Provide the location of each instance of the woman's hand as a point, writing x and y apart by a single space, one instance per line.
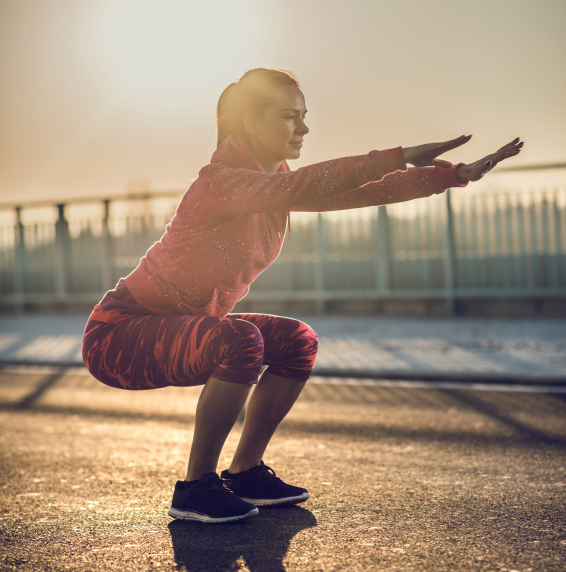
475 171
425 155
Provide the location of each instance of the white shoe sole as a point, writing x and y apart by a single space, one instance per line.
287 500
192 515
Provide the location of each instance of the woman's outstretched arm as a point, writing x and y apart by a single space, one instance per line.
398 187
432 175
234 184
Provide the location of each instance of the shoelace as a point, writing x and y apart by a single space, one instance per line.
267 473
222 490
228 483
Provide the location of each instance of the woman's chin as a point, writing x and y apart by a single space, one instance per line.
294 153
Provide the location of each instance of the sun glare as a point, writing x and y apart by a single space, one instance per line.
173 53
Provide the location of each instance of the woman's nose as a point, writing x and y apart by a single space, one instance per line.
302 128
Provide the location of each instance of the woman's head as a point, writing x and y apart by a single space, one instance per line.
267 108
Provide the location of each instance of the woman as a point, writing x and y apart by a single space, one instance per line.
168 322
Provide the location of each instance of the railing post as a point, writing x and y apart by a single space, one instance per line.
106 250
62 254
320 304
19 263
382 252
545 258
449 257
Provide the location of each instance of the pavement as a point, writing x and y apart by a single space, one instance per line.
531 350
401 478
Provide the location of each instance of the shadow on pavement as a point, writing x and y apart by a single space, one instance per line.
560 396
452 436
29 400
99 412
525 431
500 407
261 542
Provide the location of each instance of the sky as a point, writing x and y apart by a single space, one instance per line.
106 97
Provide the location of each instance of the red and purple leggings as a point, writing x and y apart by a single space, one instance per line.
148 351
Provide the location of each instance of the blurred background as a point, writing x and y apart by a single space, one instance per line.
107 113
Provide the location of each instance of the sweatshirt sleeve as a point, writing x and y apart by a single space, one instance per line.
414 183
224 190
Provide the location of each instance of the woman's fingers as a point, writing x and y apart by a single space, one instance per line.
426 155
506 152
483 166
478 169
436 149
509 150
511 144
453 143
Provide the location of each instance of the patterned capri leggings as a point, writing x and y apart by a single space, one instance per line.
147 352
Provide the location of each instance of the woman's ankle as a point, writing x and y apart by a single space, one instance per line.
196 474
240 467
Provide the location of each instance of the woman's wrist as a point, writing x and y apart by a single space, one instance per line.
407 155
462 174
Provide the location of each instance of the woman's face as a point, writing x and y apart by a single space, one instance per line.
278 133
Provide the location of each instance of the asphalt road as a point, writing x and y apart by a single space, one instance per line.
400 479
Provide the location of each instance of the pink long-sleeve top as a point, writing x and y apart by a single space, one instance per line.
230 224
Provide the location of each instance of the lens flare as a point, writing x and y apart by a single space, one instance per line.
157 54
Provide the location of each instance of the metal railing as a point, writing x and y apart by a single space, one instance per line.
450 246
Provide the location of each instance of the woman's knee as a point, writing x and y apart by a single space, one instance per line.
246 333
302 341
292 350
241 354
310 338
243 340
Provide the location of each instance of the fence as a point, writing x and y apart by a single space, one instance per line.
455 245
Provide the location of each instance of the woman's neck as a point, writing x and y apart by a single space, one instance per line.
269 164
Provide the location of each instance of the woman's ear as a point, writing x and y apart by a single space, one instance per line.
250 121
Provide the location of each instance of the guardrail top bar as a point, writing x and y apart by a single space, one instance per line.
93 199
165 194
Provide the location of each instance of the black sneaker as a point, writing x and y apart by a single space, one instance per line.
208 500
260 486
